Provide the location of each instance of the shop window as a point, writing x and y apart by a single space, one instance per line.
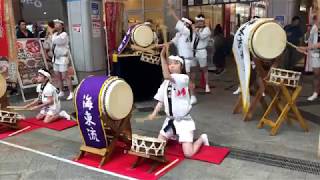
153 4
156 16
133 4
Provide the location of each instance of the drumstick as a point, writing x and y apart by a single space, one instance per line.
14 133
143 119
15 107
292 45
166 167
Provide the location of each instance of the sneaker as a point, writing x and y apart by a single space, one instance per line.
64 114
70 96
207 88
205 139
313 97
61 94
236 92
193 100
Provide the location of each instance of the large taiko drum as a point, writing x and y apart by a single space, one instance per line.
142 35
111 95
267 39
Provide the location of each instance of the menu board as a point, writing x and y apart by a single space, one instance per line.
30 59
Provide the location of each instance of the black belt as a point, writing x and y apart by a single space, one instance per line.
169 126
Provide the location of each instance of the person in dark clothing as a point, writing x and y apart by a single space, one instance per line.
220 49
22 31
294 36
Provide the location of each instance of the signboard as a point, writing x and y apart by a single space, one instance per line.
30 59
95 20
76 27
88 111
280 20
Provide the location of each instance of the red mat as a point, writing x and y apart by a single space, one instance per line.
22 124
121 164
58 125
209 154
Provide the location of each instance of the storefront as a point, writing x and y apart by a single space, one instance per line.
230 14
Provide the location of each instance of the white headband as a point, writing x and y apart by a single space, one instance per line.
186 20
46 74
199 18
177 58
58 21
147 23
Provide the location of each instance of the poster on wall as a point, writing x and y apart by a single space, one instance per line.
280 20
95 20
30 59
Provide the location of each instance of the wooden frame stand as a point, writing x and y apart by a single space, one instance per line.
116 131
157 160
284 100
258 98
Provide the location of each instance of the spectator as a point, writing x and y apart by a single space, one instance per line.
22 31
220 49
294 36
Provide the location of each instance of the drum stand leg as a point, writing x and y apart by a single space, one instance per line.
290 104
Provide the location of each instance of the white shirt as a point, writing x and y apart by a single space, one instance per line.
49 91
313 39
61 50
204 37
182 41
180 96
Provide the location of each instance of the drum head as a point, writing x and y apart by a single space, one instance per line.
3 86
268 41
118 100
142 35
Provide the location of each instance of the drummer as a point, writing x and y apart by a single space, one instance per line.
183 41
47 101
313 50
200 43
174 95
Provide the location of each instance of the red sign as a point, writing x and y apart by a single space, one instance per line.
3 35
112 12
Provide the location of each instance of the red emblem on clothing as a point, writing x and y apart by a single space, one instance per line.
182 92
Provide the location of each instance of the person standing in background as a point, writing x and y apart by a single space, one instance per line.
60 49
22 31
294 36
202 35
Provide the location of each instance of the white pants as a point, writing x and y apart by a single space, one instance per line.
48 111
60 67
202 58
186 136
189 64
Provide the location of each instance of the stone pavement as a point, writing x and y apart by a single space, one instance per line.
213 115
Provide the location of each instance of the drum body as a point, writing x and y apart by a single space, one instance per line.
115 97
148 145
267 39
142 35
8 117
285 77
